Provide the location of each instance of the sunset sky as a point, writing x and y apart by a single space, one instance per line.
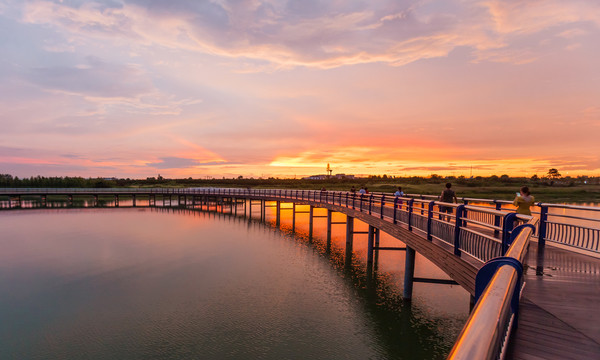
258 88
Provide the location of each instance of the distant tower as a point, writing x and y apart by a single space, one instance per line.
329 171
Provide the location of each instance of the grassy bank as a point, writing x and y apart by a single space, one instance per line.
553 194
563 190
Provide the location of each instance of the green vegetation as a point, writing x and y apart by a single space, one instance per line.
552 188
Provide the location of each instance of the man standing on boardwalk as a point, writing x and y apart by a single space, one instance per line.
447 196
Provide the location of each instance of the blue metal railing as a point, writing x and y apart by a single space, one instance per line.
556 225
497 292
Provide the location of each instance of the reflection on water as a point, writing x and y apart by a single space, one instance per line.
142 283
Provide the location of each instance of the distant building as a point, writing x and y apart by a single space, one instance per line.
325 177
316 177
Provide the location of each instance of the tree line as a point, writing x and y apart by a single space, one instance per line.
552 179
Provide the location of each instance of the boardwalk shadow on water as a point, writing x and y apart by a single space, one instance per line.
402 331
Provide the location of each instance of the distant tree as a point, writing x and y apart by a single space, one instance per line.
535 178
435 178
504 178
553 174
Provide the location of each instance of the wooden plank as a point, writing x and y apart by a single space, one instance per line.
542 334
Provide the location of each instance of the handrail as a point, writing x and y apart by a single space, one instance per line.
490 323
570 231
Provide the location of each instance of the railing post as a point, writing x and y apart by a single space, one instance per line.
465 202
395 210
382 205
497 217
429 219
410 211
370 203
457 225
543 228
361 202
507 226
353 198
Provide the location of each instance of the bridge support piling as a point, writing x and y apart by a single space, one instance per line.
409 274
310 221
349 239
134 201
278 214
329 216
376 253
293 216
370 244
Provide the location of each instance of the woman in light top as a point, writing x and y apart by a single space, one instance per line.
399 193
524 201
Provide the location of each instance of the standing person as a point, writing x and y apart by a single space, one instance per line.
366 190
399 192
447 196
353 190
523 201
362 190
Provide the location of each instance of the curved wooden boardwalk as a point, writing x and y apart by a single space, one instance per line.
558 314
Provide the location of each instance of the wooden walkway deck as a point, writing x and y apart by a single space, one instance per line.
560 310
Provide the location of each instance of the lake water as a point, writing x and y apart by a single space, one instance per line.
152 283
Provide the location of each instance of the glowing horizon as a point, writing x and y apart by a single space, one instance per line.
280 88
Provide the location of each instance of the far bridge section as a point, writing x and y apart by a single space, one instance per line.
481 244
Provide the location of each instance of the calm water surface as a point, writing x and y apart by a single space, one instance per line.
144 283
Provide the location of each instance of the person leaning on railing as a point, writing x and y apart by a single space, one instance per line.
523 201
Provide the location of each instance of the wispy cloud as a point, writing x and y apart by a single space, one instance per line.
317 33
280 86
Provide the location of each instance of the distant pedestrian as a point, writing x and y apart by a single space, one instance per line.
353 190
524 201
366 190
362 190
447 196
399 192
